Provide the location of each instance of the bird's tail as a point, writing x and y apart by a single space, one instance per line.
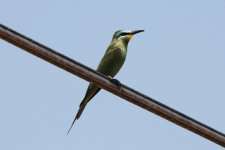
81 109
91 92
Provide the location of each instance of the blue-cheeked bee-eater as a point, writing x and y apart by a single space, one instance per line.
110 64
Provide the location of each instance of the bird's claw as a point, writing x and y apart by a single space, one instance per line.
110 78
116 82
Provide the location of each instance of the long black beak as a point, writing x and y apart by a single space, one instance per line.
136 31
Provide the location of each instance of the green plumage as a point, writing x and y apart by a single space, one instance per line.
109 65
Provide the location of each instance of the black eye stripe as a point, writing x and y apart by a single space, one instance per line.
124 33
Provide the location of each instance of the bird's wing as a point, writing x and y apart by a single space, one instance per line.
92 90
101 68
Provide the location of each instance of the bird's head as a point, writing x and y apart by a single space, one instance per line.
125 35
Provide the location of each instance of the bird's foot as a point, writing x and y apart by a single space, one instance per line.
115 82
110 78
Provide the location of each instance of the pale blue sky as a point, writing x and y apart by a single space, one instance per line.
179 60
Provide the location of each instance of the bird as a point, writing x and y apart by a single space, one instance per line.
110 64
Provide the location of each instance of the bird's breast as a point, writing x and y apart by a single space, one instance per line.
119 55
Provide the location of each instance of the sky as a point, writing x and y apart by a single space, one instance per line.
178 60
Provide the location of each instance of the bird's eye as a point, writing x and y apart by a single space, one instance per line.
122 34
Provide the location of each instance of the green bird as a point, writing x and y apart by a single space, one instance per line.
110 64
